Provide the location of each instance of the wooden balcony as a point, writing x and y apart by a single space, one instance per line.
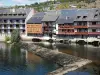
94 33
79 26
66 33
94 26
81 33
65 27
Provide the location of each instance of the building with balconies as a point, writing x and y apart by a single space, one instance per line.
67 24
11 19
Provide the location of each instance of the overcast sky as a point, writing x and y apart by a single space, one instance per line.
18 2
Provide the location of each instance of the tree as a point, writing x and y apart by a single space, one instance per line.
15 36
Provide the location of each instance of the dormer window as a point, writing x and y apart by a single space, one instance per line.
95 15
10 14
84 17
78 17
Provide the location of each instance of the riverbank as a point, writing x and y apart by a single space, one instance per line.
66 62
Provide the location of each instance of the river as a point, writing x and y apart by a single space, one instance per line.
84 51
16 61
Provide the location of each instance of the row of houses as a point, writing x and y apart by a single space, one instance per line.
65 24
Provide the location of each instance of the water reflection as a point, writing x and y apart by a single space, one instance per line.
16 61
83 51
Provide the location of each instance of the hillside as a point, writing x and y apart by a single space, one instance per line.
63 4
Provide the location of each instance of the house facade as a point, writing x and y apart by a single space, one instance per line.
11 19
68 24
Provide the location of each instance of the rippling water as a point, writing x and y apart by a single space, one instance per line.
16 61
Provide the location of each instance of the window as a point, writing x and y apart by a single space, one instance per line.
84 17
23 14
11 26
11 21
5 31
17 21
95 15
23 26
93 30
78 17
1 14
17 26
11 30
93 23
63 30
23 31
10 14
5 14
23 21
5 26
5 21
15 14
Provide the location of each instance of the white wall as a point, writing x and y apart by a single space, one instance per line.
56 28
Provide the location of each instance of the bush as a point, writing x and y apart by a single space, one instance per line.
7 38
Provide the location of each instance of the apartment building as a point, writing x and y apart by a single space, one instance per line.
71 23
11 19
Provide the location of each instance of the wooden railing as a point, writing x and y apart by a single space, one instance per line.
66 33
66 26
81 33
94 26
80 26
94 33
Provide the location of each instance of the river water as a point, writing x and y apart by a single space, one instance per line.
16 61
84 51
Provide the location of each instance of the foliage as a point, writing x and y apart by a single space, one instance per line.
15 36
7 38
55 4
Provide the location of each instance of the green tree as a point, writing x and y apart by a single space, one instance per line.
15 36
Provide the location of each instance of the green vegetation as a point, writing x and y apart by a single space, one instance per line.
15 36
60 4
7 39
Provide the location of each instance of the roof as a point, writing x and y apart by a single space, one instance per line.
36 18
64 20
15 10
87 15
50 16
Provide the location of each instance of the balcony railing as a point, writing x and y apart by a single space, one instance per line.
94 33
81 33
65 26
66 33
94 26
79 26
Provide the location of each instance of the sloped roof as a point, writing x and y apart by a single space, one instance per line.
50 16
63 20
36 18
33 20
89 13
